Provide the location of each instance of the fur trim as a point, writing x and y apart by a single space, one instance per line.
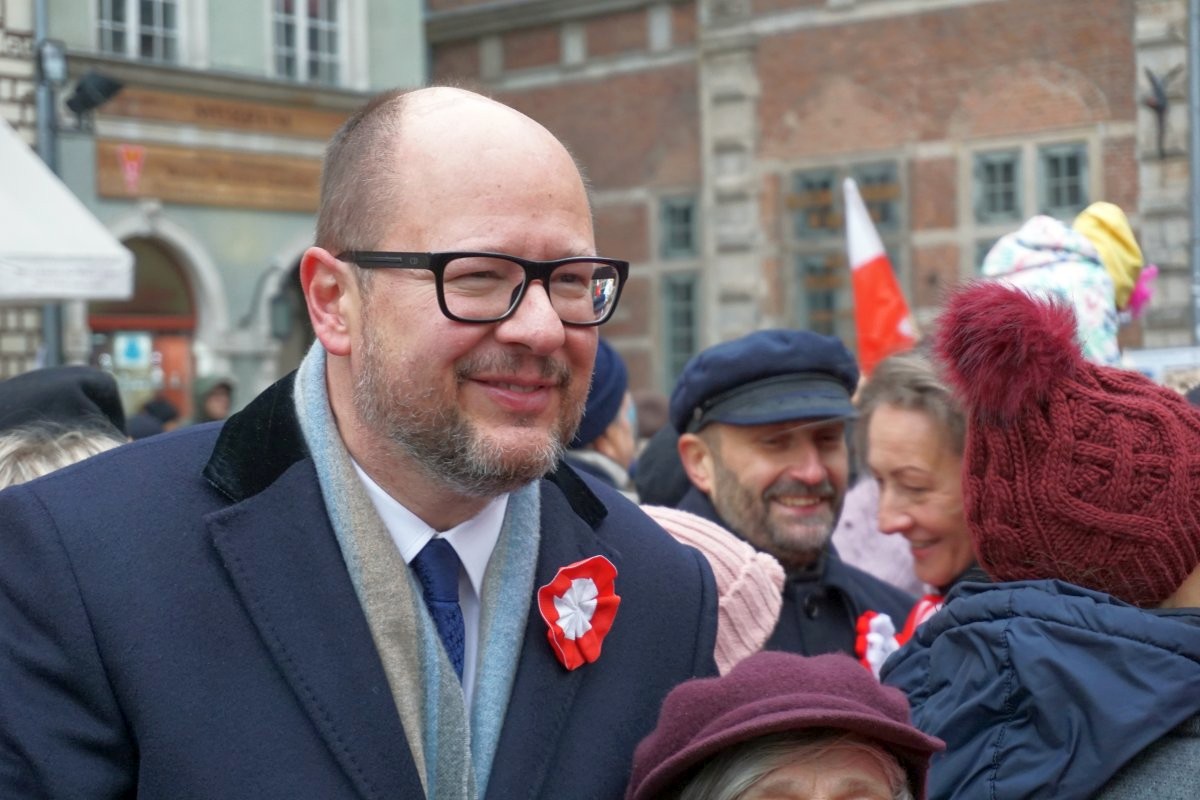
1003 349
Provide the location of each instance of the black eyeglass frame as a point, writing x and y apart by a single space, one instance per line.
534 270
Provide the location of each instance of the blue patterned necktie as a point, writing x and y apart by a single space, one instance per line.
437 568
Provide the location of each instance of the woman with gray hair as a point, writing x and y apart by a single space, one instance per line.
30 451
783 726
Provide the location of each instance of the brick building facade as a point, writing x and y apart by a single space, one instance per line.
716 133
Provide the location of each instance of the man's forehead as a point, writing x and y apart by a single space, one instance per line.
788 426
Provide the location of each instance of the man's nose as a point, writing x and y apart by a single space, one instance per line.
535 324
805 465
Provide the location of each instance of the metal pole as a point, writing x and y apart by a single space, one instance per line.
47 146
1194 155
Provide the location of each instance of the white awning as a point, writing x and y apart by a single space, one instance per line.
51 246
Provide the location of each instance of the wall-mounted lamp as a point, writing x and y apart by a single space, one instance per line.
93 90
52 62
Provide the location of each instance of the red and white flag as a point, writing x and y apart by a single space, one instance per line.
881 315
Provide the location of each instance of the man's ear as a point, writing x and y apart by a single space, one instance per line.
697 459
332 294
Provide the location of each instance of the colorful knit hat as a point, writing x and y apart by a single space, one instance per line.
1072 470
749 583
1107 228
610 379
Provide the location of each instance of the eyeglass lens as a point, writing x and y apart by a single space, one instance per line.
485 288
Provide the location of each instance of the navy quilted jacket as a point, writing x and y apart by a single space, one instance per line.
1042 689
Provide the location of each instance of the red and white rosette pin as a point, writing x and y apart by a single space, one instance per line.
579 606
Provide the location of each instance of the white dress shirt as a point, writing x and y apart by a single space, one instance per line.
473 541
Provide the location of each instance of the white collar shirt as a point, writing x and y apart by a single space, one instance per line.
473 541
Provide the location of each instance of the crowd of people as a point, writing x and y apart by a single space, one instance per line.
455 555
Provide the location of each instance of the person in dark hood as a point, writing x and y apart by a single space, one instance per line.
1073 675
72 397
158 415
214 398
605 444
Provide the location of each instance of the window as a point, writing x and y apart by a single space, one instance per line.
681 323
998 186
146 29
820 278
880 191
821 296
812 204
678 221
307 40
1062 180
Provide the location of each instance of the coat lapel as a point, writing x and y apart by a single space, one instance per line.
543 693
285 564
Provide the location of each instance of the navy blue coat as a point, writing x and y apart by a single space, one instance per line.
821 606
1042 689
176 621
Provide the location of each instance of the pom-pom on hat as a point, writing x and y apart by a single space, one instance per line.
1072 471
610 380
771 693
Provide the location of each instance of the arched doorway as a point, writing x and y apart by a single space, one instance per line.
146 341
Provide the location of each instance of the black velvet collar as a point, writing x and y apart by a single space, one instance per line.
257 444
260 442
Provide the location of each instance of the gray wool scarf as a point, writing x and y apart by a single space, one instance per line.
453 755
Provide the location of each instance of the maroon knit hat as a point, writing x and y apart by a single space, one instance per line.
770 693
1075 471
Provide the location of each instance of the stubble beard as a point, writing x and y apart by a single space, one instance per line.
749 515
433 432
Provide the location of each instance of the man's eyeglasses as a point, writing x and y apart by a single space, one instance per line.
488 287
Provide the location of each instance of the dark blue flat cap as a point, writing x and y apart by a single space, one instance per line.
763 378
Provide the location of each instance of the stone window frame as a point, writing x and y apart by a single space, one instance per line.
816 254
976 237
986 187
681 302
296 61
164 34
1064 150
679 227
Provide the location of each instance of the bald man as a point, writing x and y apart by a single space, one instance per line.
378 580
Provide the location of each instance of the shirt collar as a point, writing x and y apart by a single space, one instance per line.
472 540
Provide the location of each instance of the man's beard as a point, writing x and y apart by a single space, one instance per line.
749 515
434 433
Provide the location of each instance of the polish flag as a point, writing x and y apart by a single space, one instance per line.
881 315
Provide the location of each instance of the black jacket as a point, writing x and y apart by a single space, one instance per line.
821 604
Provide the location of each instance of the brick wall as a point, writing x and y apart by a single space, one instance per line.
925 89
532 47
933 193
985 69
628 130
456 62
683 24
613 34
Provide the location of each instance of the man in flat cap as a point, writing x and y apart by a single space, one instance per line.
762 423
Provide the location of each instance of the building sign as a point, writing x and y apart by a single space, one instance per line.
207 177
224 114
